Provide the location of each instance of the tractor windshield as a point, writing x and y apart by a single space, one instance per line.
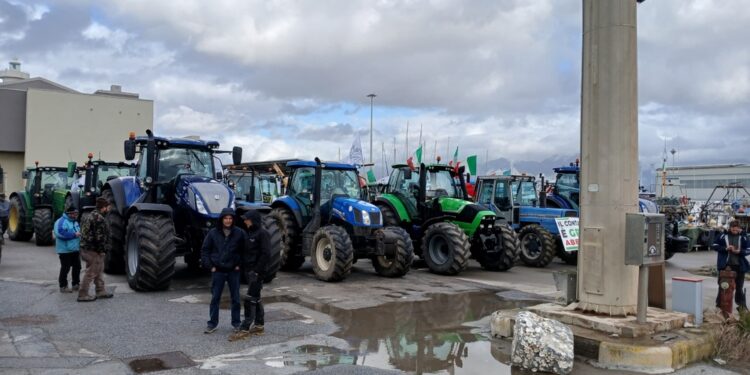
242 183
108 172
339 182
568 185
441 183
524 193
267 189
176 161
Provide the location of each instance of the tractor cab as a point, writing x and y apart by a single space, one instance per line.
422 192
505 195
566 191
89 179
43 181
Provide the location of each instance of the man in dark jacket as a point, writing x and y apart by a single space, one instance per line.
732 249
94 245
255 261
222 254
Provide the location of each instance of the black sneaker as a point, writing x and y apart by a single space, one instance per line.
209 329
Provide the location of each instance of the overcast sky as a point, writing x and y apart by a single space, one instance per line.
290 78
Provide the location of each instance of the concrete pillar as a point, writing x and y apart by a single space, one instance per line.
609 153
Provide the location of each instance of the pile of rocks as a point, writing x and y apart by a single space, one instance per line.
541 344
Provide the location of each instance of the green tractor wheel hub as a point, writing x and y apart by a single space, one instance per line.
438 249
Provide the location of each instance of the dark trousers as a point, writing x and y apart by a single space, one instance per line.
70 261
739 286
3 225
218 279
254 312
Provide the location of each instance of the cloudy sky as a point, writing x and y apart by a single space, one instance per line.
290 78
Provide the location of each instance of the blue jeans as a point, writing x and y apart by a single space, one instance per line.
218 279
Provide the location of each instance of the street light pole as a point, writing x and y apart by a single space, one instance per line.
371 96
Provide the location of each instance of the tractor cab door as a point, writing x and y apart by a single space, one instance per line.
301 189
406 189
495 194
568 186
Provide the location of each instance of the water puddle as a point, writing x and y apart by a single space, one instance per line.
422 337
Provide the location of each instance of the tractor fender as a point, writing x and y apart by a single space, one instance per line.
149 207
395 206
291 205
437 219
125 190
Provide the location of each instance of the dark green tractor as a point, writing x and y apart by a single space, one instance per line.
32 210
89 179
447 229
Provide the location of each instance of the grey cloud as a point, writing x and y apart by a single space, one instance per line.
325 132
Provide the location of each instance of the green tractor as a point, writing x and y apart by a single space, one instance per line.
32 210
89 179
447 229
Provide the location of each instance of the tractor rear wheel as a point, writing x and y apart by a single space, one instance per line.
289 256
332 253
389 217
400 263
446 248
114 259
274 236
17 230
151 251
503 256
43 226
537 246
569 257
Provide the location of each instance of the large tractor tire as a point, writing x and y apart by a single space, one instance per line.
537 247
446 249
151 251
290 258
43 226
17 230
274 236
332 253
114 259
569 257
390 219
502 257
399 263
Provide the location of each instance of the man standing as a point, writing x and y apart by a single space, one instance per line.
732 248
94 244
222 253
67 241
255 261
4 212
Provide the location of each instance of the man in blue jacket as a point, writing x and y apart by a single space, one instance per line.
732 249
67 239
222 254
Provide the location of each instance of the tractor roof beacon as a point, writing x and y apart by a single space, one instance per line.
322 216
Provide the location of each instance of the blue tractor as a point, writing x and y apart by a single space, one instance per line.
514 200
165 209
324 217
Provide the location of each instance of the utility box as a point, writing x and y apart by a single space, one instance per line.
644 239
687 296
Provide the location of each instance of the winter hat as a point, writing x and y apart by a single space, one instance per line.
226 212
71 209
101 203
253 216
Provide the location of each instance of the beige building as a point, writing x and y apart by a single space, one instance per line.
44 121
698 182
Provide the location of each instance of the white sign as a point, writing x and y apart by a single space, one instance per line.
568 229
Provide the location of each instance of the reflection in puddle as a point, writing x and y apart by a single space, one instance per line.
420 337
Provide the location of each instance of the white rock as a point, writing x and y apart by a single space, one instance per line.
541 344
502 322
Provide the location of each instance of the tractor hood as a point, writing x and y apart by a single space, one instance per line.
204 195
358 213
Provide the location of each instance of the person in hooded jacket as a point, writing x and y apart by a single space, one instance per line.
255 261
732 249
67 241
222 255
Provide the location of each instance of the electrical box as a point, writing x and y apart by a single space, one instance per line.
644 239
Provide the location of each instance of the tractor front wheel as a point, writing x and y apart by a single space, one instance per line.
399 263
17 230
290 259
569 257
503 255
114 259
151 251
537 246
446 249
43 225
333 254
274 236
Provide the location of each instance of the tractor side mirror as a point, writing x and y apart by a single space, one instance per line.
71 168
25 175
407 174
236 155
129 149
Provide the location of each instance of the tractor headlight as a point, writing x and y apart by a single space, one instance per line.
199 206
366 218
149 180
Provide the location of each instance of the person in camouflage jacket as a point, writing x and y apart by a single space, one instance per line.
94 245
